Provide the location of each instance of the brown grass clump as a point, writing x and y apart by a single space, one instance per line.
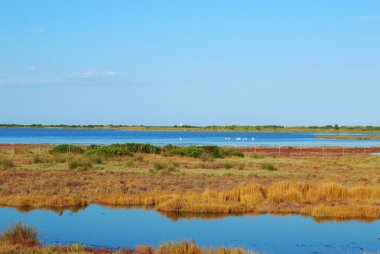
6 164
186 247
21 234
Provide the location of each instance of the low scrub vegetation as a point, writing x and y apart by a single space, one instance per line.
81 163
129 149
66 148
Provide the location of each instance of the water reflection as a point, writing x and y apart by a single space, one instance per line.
175 216
98 226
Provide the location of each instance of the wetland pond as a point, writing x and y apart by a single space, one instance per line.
104 227
86 136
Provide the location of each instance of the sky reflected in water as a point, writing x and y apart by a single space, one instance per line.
99 226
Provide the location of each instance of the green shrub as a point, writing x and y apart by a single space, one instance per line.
124 149
66 148
83 164
21 234
269 167
231 152
194 151
38 159
6 164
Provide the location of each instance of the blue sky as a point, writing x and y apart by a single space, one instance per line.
294 62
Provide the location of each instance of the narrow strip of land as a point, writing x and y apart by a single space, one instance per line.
332 183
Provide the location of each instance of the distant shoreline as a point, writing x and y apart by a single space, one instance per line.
231 128
348 137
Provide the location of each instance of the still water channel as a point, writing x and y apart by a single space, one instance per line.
98 226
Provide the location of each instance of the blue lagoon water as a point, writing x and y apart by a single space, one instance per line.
82 136
99 226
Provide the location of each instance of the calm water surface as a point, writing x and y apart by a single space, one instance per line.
98 226
75 136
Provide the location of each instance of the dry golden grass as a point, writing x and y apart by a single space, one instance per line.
322 200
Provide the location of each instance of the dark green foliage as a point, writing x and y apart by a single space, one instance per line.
194 151
66 148
124 149
230 152
129 149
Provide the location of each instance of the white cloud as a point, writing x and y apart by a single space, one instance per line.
31 68
96 74
370 18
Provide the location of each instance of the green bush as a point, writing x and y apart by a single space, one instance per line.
83 164
194 151
66 148
38 159
124 149
231 152
269 167
21 234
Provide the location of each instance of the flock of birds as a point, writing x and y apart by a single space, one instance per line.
228 138
239 139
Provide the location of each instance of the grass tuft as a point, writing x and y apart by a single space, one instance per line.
6 164
268 166
80 163
21 234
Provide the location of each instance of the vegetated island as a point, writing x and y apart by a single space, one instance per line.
229 128
320 182
349 137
